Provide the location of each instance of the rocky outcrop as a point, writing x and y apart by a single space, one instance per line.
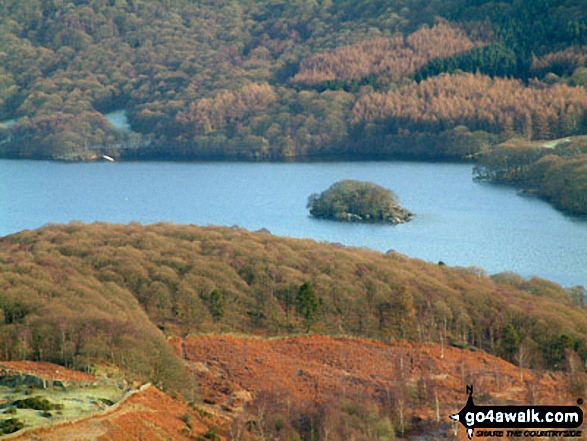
398 215
14 379
43 378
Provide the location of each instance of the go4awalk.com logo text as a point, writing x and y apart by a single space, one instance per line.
536 421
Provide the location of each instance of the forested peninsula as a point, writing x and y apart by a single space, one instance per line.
274 80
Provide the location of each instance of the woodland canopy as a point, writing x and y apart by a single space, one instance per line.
274 80
80 294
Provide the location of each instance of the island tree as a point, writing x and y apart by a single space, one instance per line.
357 201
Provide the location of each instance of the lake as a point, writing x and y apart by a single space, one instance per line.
118 119
458 221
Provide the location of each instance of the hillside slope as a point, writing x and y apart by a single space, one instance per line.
147 415
275 80
343 388
149 299
135 281
318 388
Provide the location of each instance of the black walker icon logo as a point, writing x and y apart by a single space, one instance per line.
515 417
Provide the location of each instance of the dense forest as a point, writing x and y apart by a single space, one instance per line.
268 79
140 284
555 170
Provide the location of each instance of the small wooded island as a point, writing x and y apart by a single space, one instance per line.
358 201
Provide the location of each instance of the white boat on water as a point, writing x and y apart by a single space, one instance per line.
108 158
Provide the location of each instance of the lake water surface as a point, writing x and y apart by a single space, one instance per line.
458 221
118 119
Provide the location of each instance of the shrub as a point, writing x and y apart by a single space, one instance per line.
36 403
11 425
